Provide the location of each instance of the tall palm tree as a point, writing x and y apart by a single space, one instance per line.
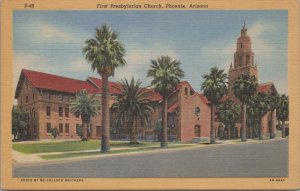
282 111
133 105
243 88
105 53
260 106
85 106
166 74
214 88
228 113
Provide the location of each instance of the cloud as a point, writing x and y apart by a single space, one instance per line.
31 62
138 60
51 32
259 44
38 30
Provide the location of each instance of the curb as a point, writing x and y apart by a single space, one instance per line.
193 147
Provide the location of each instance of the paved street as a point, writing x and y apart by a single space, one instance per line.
264 159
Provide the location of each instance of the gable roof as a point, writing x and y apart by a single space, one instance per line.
53 82
155 96
266 88
203 98
112 86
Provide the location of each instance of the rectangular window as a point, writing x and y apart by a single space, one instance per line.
67 127
60 111
60 128
78 129
26 99
66 98
33 96
48 110
66 112
60 97
48 127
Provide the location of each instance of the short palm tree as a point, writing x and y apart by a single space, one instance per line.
214 88
260 105
133 105
243 88
166 74
228 113
282 111
105 53
85 106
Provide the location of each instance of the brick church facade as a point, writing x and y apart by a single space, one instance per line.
46 98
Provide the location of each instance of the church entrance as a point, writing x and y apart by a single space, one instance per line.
197 131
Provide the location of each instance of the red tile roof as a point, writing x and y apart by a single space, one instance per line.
112 86
203 98
173 107
156 96
53 82
266 87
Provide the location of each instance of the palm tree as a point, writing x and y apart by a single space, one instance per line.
243 88
228 113
85 106
105 53
282 111
133 105
166 74
214 88
260 106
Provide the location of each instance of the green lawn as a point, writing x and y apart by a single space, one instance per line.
45 147
149 148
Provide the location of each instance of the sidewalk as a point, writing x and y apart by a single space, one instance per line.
35 158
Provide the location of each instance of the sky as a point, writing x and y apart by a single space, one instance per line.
52 41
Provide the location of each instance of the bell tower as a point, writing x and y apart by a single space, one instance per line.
243 61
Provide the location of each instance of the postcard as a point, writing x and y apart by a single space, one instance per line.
139 95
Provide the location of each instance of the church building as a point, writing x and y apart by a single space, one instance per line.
243 63
46 98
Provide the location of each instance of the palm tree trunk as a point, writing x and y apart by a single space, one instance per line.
212 124
84 129
105 115
132 132
229 131
243 127
260 129
164 134
283 129
272 134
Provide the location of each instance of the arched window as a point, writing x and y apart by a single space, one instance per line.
186 91
240 60
33 112
247 59
241 45
197 111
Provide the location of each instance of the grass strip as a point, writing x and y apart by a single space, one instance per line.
48 147
82 154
